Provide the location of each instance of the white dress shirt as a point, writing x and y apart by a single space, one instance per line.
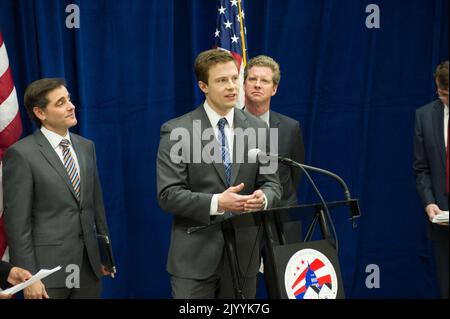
229 127
54 140
229 135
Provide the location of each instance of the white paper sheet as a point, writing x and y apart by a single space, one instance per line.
39 275
442 217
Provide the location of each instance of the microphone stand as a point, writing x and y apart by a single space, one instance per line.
354 207
324 214
320 215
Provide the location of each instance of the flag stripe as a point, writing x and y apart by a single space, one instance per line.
10 134
238 58
6 85
8 110
4 62
10 126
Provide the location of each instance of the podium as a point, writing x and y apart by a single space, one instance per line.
308 269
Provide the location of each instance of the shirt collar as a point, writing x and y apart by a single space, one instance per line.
54 138
265 117
214 117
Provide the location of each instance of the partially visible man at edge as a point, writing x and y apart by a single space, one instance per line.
431 167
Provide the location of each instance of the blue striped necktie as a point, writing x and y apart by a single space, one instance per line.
224 149
71 167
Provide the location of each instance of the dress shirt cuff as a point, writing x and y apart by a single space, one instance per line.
214 208
266 203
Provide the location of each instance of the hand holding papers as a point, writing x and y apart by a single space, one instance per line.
441 218
40 275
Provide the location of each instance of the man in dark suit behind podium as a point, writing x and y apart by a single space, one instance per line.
261 80
431 166
53 204
201 192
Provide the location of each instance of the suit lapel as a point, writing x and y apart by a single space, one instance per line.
81 156
50 155
200 114
274 120
438 123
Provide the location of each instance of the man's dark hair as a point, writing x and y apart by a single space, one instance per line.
207 59
36 95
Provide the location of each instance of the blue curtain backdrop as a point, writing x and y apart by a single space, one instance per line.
129 68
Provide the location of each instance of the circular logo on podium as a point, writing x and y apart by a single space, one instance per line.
310 274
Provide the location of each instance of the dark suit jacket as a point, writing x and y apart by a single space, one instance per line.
46 225
290 145
186 190
429 156
5 268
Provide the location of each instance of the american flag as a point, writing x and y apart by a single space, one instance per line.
231 35
10 126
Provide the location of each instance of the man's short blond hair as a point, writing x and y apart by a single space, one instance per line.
207 59
264 61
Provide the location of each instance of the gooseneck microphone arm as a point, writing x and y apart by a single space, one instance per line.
354 206
325 231
253 154
290 162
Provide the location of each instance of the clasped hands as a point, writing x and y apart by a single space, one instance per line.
231 201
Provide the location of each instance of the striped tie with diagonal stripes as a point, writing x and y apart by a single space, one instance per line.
224 149
226 160
71 167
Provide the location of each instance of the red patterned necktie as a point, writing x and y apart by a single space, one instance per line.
71 167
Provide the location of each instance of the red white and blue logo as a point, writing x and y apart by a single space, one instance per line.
309 274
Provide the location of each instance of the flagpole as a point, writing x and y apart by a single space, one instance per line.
241 23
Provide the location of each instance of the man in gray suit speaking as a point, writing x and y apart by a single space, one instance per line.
53 205
199 191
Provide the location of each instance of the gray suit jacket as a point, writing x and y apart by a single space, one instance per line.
429 156
45 224
186 190
290 145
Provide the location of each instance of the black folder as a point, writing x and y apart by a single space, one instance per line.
106 255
